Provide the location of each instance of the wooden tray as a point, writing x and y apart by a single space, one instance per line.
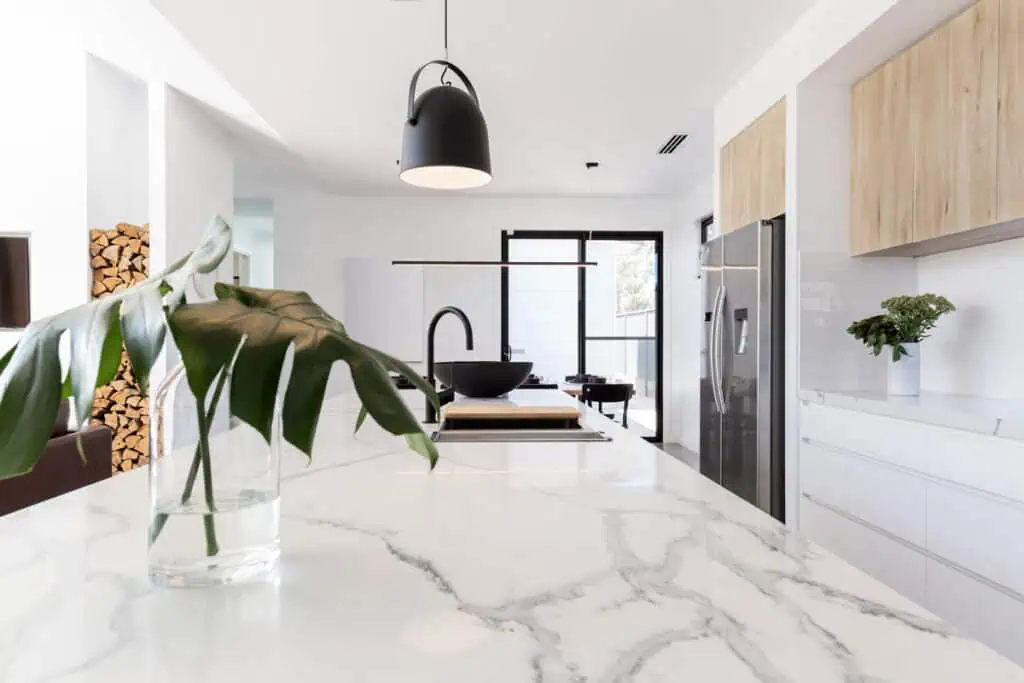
508 410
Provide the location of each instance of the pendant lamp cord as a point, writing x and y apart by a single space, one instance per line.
445 72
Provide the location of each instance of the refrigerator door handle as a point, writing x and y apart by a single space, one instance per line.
712 351
716 350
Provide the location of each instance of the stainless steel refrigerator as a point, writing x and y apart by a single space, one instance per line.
742 440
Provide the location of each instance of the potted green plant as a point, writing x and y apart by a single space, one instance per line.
904 325
218 459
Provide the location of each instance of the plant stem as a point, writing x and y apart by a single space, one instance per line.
204 451
190 482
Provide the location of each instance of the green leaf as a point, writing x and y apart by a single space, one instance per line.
110 360
30 375
269 321
401 368
143 329
424 445
363 412
30 400
88 332
7 358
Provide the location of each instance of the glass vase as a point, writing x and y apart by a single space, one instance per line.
214 501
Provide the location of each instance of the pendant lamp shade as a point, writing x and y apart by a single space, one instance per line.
445 144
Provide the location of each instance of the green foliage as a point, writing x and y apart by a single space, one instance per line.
260 325
208 335
31 385
907 320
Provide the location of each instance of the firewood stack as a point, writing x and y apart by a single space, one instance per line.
120 258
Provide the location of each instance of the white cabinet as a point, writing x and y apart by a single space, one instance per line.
933 512
979 610
978 533
982 462
880 495
889 561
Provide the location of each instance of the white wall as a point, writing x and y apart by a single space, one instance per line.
117 145
685 300
254 235
43 151
191 168
977 350
835 289
134 36
314 232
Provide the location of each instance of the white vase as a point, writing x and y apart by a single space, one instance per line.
905 374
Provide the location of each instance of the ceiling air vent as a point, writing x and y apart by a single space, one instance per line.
672 144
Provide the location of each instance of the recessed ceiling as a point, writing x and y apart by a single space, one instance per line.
561 82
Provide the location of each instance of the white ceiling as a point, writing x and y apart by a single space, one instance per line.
561 82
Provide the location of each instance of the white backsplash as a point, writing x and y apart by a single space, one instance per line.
977 350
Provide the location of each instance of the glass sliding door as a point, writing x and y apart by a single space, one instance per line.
622 323
604 320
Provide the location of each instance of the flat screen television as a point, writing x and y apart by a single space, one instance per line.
14 294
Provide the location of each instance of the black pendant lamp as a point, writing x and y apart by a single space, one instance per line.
445 144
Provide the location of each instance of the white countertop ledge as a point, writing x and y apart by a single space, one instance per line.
988 416
563 563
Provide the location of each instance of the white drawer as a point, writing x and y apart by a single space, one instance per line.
976 609
983 462
977 532
891 562
881 495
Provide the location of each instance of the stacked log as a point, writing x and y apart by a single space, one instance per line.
120 259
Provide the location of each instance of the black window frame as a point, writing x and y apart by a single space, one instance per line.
582 237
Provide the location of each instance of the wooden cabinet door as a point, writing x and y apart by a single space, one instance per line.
866 164
897 155
882 178
728 179
753 172
740 182
972 143
931 99
772 130
1011 110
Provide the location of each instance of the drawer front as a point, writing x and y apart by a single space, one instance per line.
978 610
881 495
892 563
983 462
977 532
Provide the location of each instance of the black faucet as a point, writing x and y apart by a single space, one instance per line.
461 315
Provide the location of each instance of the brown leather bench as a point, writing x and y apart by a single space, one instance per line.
61 469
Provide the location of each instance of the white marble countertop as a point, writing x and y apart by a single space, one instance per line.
989 416
564 563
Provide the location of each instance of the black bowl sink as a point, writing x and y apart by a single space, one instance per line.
482 379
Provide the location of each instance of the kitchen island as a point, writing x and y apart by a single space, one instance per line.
570 562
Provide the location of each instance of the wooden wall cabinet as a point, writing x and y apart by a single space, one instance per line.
753 171
933 136
883 159
1011 110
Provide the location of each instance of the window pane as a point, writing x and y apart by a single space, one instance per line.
543 307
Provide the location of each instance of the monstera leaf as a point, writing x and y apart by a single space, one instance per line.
254 328
31 386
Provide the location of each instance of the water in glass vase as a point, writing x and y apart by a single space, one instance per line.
214 486
237 543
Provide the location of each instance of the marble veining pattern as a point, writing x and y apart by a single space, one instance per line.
556 563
